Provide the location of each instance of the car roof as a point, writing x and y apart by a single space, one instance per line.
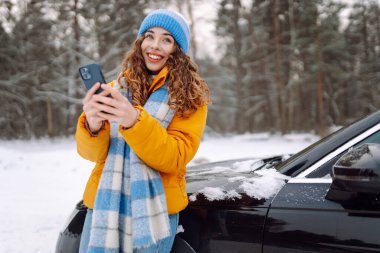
308 156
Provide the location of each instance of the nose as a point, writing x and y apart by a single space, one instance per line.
155 44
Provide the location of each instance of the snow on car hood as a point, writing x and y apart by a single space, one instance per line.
230 180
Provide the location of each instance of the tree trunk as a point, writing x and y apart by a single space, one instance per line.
72 85
193 43
279 112
321 122
239 114
291 106
49 117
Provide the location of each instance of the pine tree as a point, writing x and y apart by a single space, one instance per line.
30 66
114 26
363 40
8 67
258 79
228 28
66 91
330 73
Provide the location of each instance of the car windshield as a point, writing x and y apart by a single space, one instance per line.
319 149
307 149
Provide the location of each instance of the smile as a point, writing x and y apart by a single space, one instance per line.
154 57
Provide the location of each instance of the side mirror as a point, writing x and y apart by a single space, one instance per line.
356 172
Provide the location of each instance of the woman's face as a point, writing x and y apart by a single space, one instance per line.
156 48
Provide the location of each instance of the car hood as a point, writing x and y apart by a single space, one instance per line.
250 181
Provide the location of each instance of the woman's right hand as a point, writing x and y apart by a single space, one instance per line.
94 120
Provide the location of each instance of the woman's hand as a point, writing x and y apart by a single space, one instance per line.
116 108
90 108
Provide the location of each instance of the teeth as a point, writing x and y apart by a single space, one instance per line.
156 57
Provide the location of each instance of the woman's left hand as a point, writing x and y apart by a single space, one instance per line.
116 108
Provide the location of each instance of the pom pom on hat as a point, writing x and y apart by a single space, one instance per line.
171 21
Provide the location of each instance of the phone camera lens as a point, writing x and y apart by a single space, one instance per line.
85 73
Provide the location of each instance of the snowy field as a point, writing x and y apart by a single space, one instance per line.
42 180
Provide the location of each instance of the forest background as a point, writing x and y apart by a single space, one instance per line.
275 66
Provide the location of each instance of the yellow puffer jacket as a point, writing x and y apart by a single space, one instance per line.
165 150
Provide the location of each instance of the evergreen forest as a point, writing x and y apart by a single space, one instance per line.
283 65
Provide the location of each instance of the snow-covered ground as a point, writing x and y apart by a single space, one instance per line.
42 180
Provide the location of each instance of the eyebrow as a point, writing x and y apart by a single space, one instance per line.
167 34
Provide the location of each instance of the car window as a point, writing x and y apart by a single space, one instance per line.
325 170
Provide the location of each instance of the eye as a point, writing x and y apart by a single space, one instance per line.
168 40
148 36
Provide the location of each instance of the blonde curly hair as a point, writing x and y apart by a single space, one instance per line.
187 90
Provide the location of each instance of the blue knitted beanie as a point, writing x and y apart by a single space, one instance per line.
171 21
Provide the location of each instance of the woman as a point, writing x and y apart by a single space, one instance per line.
141 138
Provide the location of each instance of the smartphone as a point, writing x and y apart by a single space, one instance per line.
91 74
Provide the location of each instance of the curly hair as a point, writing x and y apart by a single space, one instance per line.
187 90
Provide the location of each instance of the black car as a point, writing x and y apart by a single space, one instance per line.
326 199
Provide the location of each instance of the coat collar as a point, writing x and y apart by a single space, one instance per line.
159 80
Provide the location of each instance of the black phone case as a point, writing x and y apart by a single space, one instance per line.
90 75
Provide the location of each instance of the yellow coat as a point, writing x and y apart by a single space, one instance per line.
165 150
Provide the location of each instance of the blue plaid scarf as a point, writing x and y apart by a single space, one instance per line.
130 207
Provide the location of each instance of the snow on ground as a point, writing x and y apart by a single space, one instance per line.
251 146
42 180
